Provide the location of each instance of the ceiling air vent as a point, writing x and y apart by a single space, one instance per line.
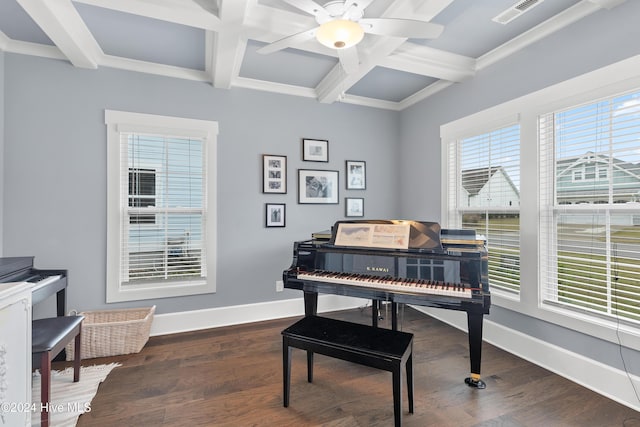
515 11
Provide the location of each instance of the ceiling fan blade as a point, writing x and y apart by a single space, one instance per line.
311 7
349 59
289 41
397 27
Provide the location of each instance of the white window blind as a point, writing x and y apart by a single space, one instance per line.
163 195
161 206
590 194
484 194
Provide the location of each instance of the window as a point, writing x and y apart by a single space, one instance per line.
484 195
591 228
161 206
142 193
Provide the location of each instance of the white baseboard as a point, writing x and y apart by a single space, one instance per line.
185 321
613 383
605 380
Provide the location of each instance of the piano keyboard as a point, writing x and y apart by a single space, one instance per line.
38 282
418 286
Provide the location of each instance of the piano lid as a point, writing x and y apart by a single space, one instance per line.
403 234
10 265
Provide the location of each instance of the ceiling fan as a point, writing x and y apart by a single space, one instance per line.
341 26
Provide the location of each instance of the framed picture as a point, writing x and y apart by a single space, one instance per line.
354 206
356 175
317 186
274 174
275 214
315 150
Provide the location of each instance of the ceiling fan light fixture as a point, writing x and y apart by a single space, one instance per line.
340 34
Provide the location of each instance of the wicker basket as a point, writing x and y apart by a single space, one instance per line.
113 332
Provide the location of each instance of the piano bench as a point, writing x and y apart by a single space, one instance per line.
48 338
366 345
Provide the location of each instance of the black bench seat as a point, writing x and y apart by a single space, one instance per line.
48 338
366 345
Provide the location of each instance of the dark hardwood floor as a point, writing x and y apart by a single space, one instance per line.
232 376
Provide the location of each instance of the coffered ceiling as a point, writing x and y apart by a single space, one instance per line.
217 41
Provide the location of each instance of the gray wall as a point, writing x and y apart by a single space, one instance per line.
1 146
55 172
598 40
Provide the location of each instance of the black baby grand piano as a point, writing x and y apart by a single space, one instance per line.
44 283
427 266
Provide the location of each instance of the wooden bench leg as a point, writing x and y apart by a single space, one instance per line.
76 357
45 387
286 370
409 367
310 366
397 394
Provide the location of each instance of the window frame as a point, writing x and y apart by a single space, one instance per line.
118 122
612 79
598 298
452 212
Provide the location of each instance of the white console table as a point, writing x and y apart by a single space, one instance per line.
15 354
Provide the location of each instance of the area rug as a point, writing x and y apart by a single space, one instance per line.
69 400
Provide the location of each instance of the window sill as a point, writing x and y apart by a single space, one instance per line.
130 292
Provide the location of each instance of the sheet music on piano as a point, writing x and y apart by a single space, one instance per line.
391 236
387 234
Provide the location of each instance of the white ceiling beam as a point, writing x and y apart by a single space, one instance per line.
33 49
138 66
226 48
336 83
4 41
427 61
184 12
61 22
608 4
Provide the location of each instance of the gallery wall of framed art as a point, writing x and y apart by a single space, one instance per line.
315 186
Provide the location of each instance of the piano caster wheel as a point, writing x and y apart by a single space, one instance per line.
475 383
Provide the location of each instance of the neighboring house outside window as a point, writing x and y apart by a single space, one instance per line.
484 196
591 233
142 193
161 206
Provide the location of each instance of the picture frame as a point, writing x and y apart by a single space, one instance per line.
356 174
354 206
315 150
275 215
274 174
317 186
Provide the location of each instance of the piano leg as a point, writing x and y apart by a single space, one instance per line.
474 323
310 303
310 309
61 302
